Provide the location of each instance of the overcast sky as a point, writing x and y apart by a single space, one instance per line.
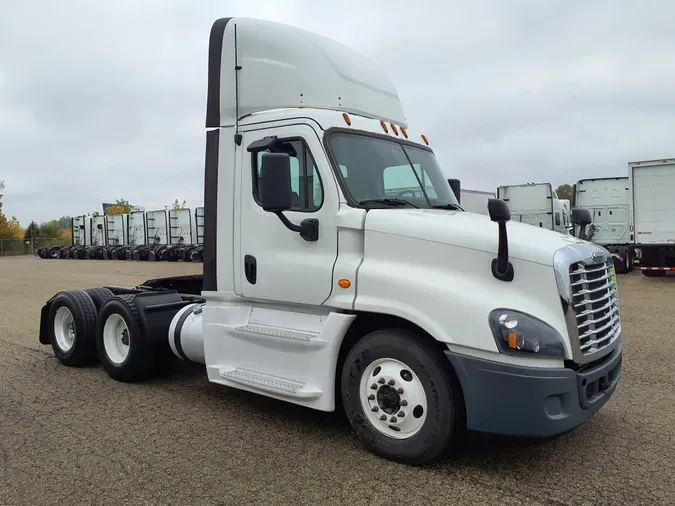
106 100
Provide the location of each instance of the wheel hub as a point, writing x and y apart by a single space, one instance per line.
388 399
393 398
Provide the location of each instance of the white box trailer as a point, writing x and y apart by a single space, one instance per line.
81 230
158 227
180 226
651 186
117 230
336 289
608 201
475 201
98 231
117 236
536 204
199 225
137 233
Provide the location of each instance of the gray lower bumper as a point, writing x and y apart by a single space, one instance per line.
533 402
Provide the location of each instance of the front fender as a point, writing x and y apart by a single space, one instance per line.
450 291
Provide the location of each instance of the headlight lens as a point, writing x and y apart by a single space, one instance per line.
522 334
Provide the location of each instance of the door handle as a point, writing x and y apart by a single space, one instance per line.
250 269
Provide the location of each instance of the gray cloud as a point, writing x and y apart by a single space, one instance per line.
102 102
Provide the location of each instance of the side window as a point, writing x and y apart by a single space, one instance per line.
305 180
557 219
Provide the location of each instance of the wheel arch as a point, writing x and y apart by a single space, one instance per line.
367 322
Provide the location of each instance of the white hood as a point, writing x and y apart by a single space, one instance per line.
469 230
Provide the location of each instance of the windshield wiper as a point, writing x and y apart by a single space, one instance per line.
449 207
390 202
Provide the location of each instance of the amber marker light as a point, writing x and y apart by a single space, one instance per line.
384 127
424 138
344 283
347 119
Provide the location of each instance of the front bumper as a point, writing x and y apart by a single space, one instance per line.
532 402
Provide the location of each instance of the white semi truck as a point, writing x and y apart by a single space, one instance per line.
537 204
325 286
650 187
608 201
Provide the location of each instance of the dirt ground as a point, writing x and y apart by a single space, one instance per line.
75 436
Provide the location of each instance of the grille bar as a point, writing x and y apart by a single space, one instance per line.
595 304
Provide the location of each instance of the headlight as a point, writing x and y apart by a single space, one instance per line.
522 334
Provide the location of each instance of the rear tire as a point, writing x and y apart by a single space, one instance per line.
100 296
122 345
415 391
72 324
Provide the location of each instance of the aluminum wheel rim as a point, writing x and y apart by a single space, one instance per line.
393 398
116 339
64 329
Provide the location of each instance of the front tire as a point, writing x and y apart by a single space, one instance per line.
123 348
401 397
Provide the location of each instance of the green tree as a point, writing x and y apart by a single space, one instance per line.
50 229
32 231
9 229
121 207
565 192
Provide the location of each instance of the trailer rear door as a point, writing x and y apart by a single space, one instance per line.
653 187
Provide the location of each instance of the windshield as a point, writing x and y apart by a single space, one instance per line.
386 172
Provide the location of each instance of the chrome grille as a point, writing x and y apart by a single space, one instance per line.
595 303
590 300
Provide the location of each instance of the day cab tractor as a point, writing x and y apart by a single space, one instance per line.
339 271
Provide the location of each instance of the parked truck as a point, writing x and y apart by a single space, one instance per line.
651 184
475 201
325 286
537 204
608 201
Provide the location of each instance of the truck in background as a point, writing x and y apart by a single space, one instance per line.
475 201
340 273
650 188
537 204
608 201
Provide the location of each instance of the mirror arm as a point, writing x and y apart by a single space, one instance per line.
502 269
308 228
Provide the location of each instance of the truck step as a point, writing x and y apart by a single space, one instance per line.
280 332
268 383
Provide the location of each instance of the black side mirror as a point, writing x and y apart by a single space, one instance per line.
456 188
499 212
275 182
277 196
581 217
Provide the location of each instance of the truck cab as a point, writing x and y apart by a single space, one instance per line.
537 204
340 273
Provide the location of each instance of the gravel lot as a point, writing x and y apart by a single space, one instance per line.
75 436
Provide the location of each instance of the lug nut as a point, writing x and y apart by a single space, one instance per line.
375 409
392 419
383 417
401 414
400 390
381 381
371 397
392 382
404 402
373 386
